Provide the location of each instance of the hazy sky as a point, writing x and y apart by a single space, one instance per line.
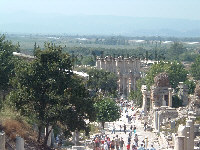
186 9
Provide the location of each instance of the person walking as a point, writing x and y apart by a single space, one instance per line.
145 126
117 142
152 148
134 147
124 128
131 130
121 144
128 146
134 129
141 147
113 128
136 140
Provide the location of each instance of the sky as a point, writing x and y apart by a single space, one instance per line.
183 9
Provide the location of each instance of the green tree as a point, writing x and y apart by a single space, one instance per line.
176 101
7 62
175 70
47 90
101 79
88 60
136 96
175 50
195 69
191 86
106 110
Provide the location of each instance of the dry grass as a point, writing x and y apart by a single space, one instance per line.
15 125
15 128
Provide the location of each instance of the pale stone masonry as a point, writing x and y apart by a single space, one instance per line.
19 143
2 141
127 70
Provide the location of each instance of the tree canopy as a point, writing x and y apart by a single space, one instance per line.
195 68
102 80
175 70
47 90
106 110
6 63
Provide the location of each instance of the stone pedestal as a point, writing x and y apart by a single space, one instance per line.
19 143
179 143
2 141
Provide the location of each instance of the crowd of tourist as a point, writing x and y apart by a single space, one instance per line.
105 142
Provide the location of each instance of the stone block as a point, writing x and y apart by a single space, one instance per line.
78 148
19 143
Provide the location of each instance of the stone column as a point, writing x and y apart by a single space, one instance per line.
52 138
2 141
156 120
182 131
144 104
159 121
170 97
163 101
179 143
19 143
76 137
146 142
187 138
190 123
49 137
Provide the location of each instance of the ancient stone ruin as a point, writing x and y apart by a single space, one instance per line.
176 127
127 70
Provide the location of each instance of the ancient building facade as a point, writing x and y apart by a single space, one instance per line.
127 70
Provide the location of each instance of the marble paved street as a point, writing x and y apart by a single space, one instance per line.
152 138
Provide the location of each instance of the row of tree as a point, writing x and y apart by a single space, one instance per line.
176 51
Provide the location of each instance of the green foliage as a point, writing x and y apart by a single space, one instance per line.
175 50
191 86
102 80
175 70
107 110
7 62
176 101
195 68
136 96
47 90
88 61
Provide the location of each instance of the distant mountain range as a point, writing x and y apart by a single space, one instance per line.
98 25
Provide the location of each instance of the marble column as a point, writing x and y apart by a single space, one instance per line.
190 124
182 131
19 143
163 101
2 141
159 121
179 143
170 97
187 138
49 137
144 104
156 120
76 137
